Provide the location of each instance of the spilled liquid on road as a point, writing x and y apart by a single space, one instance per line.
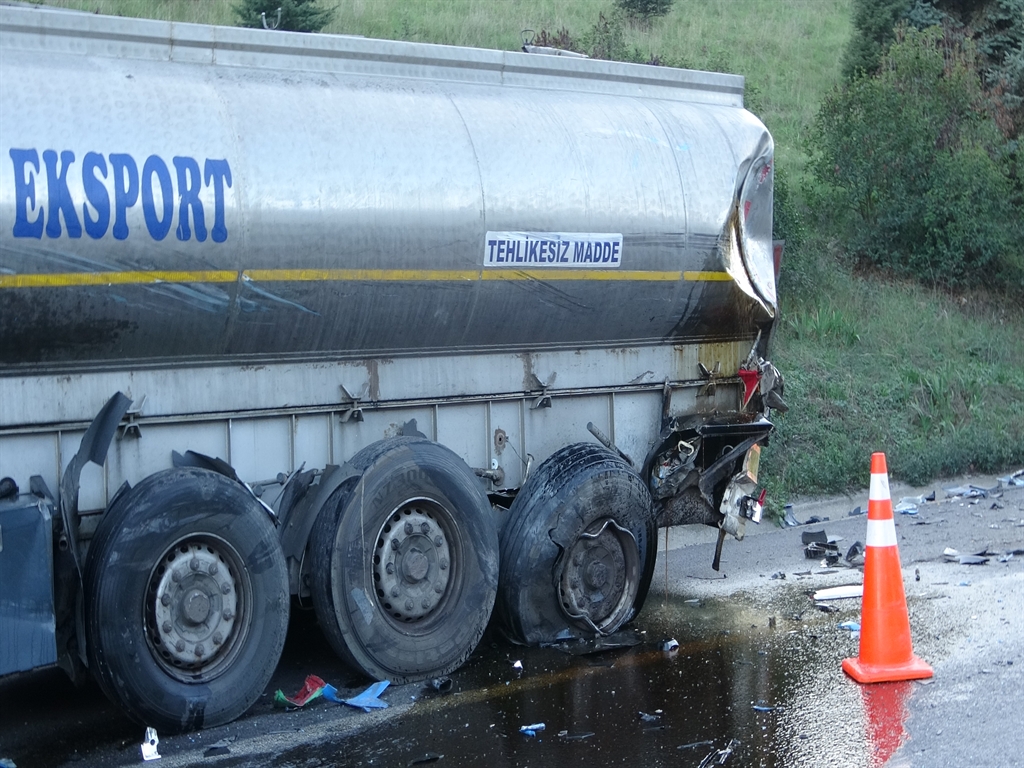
775 696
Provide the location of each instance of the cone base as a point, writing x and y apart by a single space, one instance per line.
914 669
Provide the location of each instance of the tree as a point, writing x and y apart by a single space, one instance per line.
296 15
874 22
644 10
914 169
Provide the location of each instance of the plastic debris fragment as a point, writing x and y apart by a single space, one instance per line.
854 512
851 626
855 554
575 736
531 730
150 745
670 645
763 708
311 689
906 507
838 593
441 684
367 700
517 665
647 718
1015 480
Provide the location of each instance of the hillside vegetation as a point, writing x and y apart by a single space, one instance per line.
875 358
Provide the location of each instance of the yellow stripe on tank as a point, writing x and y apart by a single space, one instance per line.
72 279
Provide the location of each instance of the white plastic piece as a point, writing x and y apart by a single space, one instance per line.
149 746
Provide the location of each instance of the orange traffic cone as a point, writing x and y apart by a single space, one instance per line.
885 650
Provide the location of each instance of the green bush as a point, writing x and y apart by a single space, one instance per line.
296 15
913 168
644 10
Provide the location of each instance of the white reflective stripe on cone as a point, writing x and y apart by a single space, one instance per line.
881 533
879 488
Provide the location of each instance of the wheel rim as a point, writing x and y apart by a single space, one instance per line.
601 576
413 568
197 608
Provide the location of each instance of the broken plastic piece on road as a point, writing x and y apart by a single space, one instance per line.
1006 557
311 689
670 645
839 593
150 745
6 762
852 626
814 537
649 718
626 638
854 512
517 664
531 730
972 492
763 708
972 560
575 736
855 554
219 748
367 700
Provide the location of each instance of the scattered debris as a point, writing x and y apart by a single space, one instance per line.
718 757
531 730
441 684
150 744
906 507
855 511
972 560
953 556
763 708
855 554
649 718
367 700
779 575
518 665
575 736
696 744
1005 558
973 492
627 638
670 645
1015 480
312 688
814 537
838 593
851 626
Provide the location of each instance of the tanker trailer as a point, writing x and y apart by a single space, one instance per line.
407 332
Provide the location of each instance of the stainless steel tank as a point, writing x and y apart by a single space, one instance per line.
173 193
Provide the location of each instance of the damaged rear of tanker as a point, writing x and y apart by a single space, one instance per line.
426 336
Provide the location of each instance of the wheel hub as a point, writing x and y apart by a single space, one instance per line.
193 607
601 576
412 563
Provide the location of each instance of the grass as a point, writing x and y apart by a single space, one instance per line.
935 381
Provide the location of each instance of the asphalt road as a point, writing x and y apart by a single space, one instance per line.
759 663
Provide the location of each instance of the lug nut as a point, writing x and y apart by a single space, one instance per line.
394 591
166 627
200 650
444 564
194 564
408 605
165 599
394 544
390 568
179 646
228 614
408 528
218 638
225 588
425 527
212 569
438 541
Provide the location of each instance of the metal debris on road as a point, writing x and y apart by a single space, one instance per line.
441 684
430 757
645 717
973 492
670 645
531 730
150 744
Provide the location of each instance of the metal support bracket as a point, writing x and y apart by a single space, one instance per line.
129 422
354 412
710 377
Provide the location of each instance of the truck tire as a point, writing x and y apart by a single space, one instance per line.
186 600
574 554
405 562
